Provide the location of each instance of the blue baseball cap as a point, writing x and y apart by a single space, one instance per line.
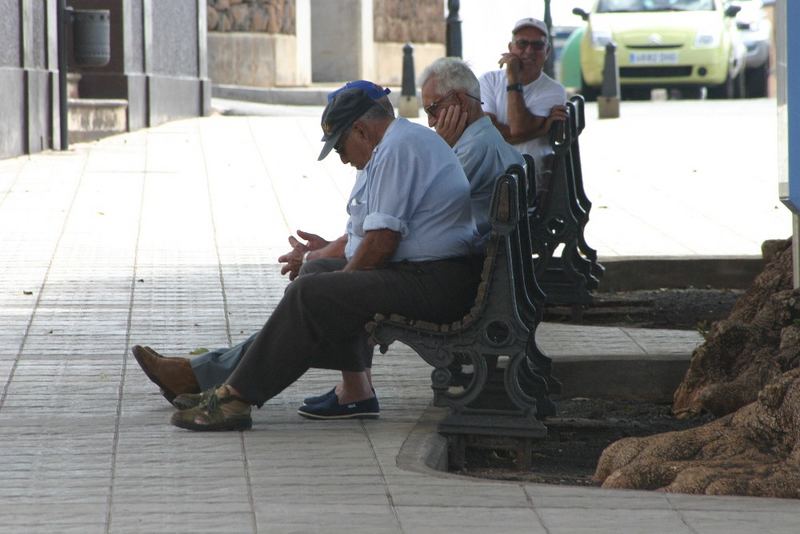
345 107
374 91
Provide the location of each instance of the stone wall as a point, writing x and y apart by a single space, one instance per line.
417 21
269 16
28 77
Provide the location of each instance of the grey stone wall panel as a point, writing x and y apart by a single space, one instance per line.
39 37
137 101
12 112
10 37
134 48
39 129
173 98
174 26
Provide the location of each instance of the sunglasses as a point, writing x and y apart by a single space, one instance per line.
431 109
522 44
342 138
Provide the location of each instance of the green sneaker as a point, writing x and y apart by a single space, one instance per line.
222 411
192 400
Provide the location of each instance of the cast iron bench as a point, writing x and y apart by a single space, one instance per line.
566 266
497 334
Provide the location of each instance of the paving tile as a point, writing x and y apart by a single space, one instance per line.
469 519
736 522
460 493
736 504
551 496
622 521
325 516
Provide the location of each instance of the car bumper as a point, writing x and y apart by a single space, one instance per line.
676 67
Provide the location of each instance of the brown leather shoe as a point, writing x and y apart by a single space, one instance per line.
173 375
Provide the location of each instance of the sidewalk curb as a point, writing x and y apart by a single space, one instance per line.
316 95
628 273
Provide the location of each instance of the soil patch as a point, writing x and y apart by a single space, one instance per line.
576 438
681 309
585 427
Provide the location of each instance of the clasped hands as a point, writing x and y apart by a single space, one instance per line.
293 260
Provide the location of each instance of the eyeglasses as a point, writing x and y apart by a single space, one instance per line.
342 138
431 109
522 44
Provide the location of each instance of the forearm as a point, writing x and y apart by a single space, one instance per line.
334 249
522 124
375 250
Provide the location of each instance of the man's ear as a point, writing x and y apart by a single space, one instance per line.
509 45
360 128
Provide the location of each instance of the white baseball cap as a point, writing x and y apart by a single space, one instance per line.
530 22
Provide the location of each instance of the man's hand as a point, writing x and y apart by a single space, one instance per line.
451 124
513 64
557 113
293 260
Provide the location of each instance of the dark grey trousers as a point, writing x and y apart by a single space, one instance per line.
214 367
320 320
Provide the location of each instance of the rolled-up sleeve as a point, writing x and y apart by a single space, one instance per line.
382 221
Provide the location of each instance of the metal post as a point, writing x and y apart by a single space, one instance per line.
409 106
453 31
608 101
787 45
549 64
62 17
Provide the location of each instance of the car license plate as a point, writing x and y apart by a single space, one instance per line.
654 58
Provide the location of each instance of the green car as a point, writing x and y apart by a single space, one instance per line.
683 44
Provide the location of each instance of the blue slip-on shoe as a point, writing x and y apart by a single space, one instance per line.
324 397
331 409
316 399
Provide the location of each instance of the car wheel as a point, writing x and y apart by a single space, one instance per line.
739 89
757 81
723 90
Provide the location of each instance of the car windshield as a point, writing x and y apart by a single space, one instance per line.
624 6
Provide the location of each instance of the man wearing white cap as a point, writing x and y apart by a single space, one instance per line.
522 101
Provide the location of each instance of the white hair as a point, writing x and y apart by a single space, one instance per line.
451 74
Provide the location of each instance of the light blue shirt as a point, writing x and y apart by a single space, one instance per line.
484 155
414 185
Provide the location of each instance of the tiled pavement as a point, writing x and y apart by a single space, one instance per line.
169 236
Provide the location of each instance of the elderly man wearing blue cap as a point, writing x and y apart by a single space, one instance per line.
407 251
182 379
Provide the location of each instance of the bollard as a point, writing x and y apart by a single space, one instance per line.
453 29
409 105
608 101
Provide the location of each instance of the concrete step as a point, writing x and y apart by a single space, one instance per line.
91 119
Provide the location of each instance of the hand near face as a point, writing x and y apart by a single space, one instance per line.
451 124
513 64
